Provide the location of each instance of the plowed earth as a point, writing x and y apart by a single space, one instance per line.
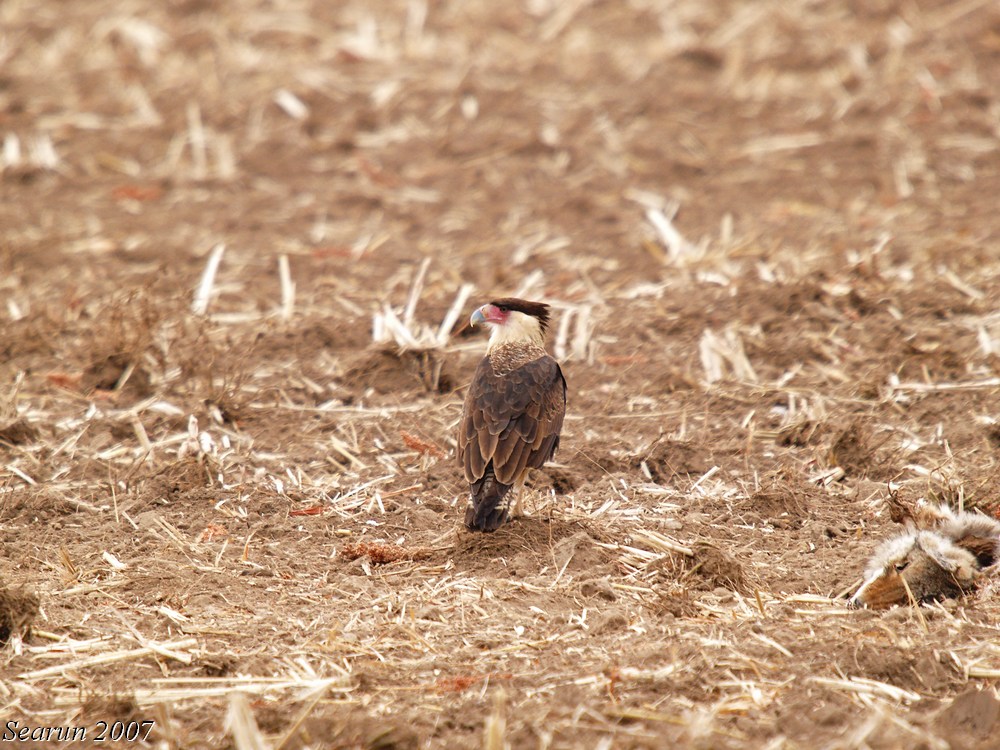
769 231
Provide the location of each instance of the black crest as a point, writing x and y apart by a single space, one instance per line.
535 309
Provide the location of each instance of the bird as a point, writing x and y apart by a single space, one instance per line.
925 564
513 413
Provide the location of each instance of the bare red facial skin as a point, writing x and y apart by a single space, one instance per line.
494 314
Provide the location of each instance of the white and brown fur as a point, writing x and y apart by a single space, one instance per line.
943 554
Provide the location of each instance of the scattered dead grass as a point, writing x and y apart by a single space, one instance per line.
239 251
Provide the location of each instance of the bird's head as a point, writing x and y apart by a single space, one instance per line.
513 320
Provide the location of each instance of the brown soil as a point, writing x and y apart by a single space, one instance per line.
244 526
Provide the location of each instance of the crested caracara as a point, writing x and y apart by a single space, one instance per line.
513 411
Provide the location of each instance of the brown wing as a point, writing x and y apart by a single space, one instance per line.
513 419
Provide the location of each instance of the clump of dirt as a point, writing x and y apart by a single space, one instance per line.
117 341
801 433
814 717
893 664
358 731
561 480
598 462
211 368
783 500
795 298
117 372
983 491
30 337
217 665
308 338
600 588
858 452
675 601
671 380
178 480
710 567
835 287
970 720
529 544
18 610
992 433
718 567
609 620
940 359
779 506
389 371
578 553
19 432
669 458
33 504
111 708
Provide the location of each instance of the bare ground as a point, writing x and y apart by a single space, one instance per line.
242 523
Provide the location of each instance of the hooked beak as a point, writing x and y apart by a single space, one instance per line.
477 318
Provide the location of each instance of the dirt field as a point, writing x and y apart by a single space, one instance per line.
770 234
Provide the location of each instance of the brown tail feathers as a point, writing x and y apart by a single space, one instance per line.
490 506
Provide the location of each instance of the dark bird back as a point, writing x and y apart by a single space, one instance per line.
513 412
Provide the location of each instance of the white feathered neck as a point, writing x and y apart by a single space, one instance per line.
519 328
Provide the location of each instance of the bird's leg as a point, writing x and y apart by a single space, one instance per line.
516 491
